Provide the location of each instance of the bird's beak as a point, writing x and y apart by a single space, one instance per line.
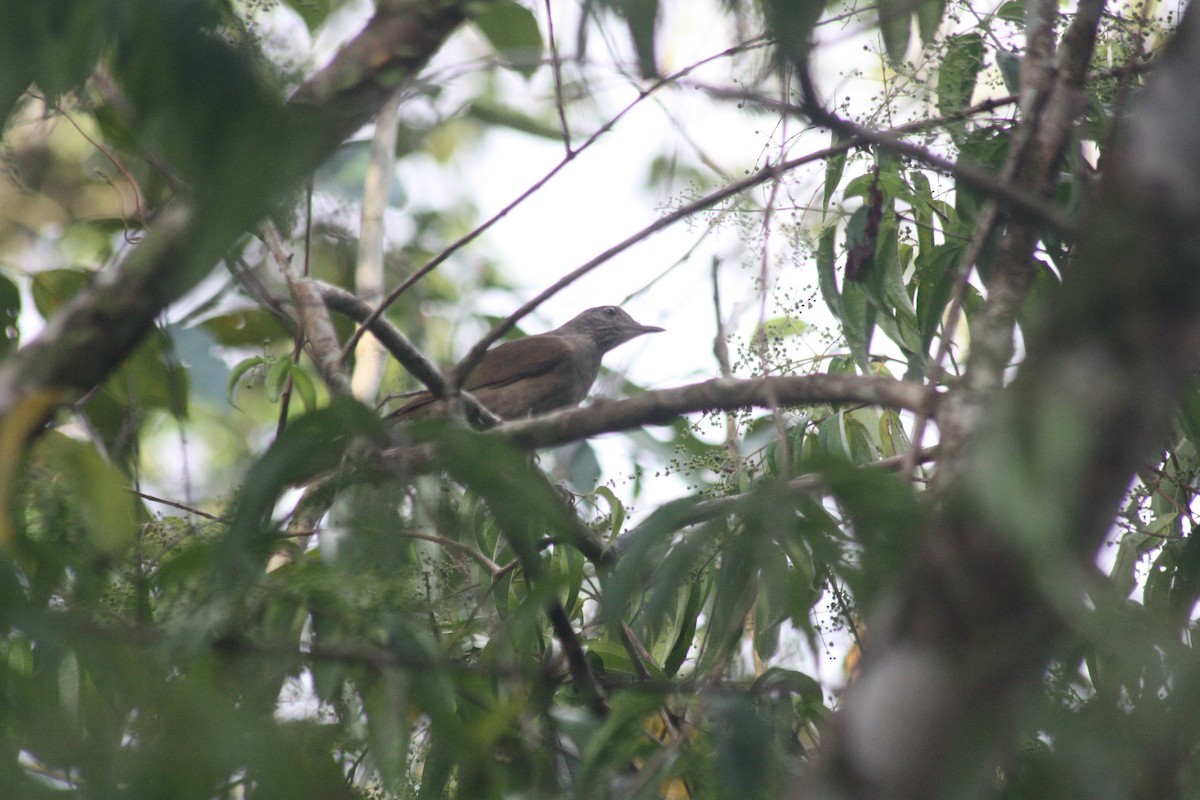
650 329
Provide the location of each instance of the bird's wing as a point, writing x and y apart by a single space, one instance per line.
502 365
517 360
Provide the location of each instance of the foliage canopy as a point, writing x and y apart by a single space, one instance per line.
971 247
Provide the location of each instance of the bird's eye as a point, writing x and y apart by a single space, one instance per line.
609 311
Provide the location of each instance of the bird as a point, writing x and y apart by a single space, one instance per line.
541 373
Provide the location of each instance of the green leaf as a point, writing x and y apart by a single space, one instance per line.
10 313
276 379
567 570
240 369
526 506
444 747
107 508
313 444
313 12
736 587
959 70
385 700
639 553
935 285
791 22
858 323
886 515
620 737
835 165
688 618
1010 70
895 23
1134 545
245 328
641 17
303 385
679 568
929 18
513 31
54 287
892 436
826 271
151 378
611 657
616 509
748 759
1013 11
583 468
780 328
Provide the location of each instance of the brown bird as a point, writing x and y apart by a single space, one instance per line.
541 373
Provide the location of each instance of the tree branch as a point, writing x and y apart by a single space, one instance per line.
1051 102
663 406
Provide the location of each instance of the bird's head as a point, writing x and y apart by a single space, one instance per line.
608 326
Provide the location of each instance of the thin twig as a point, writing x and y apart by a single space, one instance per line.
556 68
180 506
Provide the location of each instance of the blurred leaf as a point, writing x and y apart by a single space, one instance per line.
54 44
735 588
276 378
246 328
385 700
313 12
780 328
490 112
826 274
959 70
746 756
101 493
513 31
639 553
688 618
1013 11
1010 70
792 22
895 23
1130 551
10 314
52 288
242 368
583 469
313 444
344 172
929 18
619 738
886 516
835 165
616 510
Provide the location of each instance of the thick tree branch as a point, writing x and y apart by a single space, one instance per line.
314 317
1052 99
663 406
